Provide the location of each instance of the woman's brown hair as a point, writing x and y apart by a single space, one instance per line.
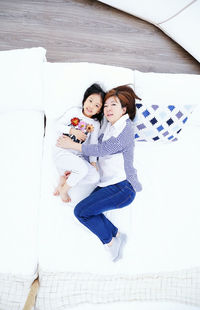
126 96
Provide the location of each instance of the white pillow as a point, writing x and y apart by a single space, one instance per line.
165 89
21 79
65 83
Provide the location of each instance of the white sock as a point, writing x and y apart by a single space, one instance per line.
116 248
123 238
113 249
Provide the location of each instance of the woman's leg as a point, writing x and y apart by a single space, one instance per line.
90 210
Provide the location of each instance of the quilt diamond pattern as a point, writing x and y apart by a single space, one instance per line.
160 123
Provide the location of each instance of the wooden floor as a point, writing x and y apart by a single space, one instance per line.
87 30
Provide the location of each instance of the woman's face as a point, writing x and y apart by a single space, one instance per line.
92 105
113 110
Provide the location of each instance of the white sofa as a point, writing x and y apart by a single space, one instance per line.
39 233
179 19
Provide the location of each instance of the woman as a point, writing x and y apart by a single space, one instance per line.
118 178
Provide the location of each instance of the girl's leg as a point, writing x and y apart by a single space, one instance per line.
90 210
93 176
78 169
64 192
61 183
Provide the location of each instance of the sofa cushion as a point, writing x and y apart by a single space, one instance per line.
154 11
21 79
184 29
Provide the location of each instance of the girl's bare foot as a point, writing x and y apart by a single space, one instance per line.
56 192
62 181
64 193
65 197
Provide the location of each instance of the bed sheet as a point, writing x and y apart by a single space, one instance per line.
21 136
62 80
166 217
162 223
62 238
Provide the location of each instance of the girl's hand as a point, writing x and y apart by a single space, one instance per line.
78 134
94 164
67 143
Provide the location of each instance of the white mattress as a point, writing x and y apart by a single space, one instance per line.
21 136
64 88
162 223
163 231
21 139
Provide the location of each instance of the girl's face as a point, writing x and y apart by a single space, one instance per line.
113 110
92 105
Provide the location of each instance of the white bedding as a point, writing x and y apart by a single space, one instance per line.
21 136
157 219
64 87
163 236
166 218
66 290
162 223
21 79
14 289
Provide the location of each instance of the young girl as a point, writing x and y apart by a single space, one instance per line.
82 126
118 178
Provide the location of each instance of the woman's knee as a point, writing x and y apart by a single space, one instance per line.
78 209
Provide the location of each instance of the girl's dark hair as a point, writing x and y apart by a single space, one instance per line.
126 96
95 89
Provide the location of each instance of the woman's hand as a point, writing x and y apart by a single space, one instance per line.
67 143
78 134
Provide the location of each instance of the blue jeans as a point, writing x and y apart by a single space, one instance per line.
90 210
